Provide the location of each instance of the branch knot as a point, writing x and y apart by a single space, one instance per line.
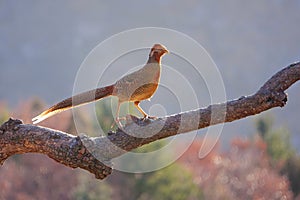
11 124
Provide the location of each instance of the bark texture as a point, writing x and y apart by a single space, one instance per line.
95 153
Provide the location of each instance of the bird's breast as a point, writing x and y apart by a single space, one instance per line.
139 85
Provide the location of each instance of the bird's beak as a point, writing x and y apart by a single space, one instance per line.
166 51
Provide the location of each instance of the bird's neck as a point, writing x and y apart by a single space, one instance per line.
155 58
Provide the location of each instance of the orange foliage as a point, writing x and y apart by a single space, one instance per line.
35 177
243 172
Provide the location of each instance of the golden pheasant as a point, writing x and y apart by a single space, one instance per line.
135 87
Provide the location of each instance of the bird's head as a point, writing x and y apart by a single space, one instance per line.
157 51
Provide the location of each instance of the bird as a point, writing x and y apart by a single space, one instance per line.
134 87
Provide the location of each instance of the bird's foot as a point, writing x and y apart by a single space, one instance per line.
149 117
118 122
145 120
131 118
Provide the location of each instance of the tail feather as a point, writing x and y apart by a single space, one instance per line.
75 101
46 114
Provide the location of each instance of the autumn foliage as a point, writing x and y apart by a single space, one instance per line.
242 172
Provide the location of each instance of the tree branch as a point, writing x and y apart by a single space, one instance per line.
19 138
94 154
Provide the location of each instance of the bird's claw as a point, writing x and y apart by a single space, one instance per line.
118 122
149 117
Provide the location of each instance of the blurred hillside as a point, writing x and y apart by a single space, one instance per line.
43 43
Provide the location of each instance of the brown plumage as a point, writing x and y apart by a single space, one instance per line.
135 87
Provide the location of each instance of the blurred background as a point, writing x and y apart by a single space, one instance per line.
43 43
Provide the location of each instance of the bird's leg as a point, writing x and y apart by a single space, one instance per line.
118 119
136 103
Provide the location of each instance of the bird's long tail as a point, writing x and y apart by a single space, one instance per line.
74 101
